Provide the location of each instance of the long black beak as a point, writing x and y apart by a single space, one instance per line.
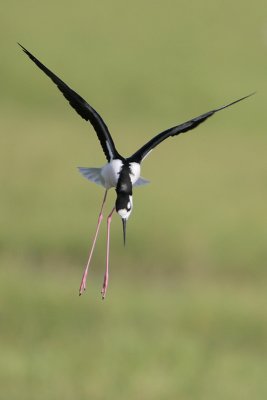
124 220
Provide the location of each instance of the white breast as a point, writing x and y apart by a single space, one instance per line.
110 173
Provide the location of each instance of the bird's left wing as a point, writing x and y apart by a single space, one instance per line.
140 154
82 108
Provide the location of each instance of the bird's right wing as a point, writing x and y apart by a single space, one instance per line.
82 108
140 154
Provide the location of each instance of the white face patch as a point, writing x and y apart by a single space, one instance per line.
125 214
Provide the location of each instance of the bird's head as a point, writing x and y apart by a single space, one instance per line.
124 206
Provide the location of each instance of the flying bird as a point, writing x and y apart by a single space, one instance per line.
121 173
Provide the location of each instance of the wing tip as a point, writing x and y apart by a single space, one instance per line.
236 101
34 59
23 48
26 52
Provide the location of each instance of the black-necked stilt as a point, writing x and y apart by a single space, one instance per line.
119 172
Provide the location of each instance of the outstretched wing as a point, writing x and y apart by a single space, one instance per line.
83 109
176 130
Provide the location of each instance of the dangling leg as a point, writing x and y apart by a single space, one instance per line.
100 217
105 283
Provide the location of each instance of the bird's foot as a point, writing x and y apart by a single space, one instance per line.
104 288
83 284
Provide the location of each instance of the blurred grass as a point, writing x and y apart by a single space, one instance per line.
189 338
185 315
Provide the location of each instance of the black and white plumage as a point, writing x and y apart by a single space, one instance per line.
119 172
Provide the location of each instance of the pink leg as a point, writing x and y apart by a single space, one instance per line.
105 283
83 282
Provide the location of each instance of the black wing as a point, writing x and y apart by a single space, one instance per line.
83 109
176 130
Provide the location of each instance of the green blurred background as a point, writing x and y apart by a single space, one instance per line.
185 315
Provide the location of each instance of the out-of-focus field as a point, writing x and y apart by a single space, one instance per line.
185 315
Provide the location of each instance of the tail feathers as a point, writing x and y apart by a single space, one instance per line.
141 181
92 174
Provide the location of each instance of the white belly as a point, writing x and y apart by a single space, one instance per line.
110 173
135 172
